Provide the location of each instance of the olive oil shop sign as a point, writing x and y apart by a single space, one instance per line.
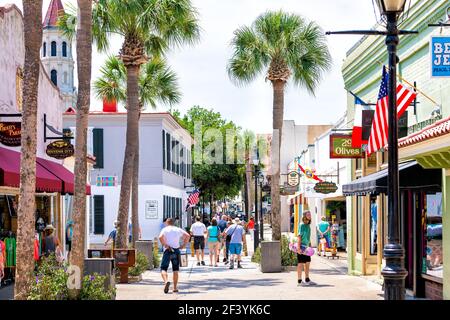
341 147
10 133
440 56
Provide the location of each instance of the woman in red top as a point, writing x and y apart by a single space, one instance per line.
251 224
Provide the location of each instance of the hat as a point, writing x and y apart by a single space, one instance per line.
237 220
49 227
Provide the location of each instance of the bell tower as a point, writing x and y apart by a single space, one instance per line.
56 55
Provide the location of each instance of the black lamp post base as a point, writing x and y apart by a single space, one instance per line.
394 273
255 237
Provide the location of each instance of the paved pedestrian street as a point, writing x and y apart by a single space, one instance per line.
249 283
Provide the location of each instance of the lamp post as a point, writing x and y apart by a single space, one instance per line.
261 235
256 230
394 272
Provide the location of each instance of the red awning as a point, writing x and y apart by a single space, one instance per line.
62 173
10 173
50 176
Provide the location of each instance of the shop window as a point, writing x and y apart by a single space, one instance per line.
372 160
53 48
64 49
54 77
99 214
373 226
384 157
433 256
98 148
358 164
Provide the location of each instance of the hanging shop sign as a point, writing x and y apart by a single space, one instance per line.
325 187
60 149
287 190
440 56
293 178
10 133
341 147
105 181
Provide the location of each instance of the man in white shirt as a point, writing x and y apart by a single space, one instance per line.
170 238
198 230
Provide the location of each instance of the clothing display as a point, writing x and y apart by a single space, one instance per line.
10 244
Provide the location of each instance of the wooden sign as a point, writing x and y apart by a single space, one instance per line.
60 149
341 147
325 187
293 178
10 133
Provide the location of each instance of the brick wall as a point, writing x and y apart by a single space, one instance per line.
433 290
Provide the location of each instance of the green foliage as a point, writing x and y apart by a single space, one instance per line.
256 257
51 283
140 266
94 288
284 38
288 258
156 258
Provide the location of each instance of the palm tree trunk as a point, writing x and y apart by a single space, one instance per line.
25 229
135 196
84 62
248 185
130 151
278 110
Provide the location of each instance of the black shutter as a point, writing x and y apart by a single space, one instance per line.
168 165
164 148
173 155
99 214
98 147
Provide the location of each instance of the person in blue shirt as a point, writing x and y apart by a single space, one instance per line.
304 240
112 234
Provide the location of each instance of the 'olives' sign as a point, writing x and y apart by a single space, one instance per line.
60 149
341 147
325 187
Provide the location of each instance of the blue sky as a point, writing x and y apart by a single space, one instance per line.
202 68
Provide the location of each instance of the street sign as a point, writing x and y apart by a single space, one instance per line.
341 147
60 149
440 57
325 187
10 133
293 178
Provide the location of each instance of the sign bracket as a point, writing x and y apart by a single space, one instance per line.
55 131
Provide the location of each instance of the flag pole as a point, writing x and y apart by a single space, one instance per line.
411 85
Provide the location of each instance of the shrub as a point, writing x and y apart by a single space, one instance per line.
156 259
288 258
140 266
257 255
94 288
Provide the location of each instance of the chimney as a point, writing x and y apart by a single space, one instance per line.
109 106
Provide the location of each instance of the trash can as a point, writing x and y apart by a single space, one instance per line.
270 256
146 247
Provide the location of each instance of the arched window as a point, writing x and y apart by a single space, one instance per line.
54 77
44 49
53 48
64 49
65 77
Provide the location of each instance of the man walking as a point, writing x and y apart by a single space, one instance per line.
170 238
236 231
222 226
198 230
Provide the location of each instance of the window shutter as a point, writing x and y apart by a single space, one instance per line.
168 165
164 148
99 214
98 147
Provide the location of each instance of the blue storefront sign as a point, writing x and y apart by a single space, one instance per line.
440 56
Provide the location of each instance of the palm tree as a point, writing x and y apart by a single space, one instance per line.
84 63
283 45
32 20
157 83
148 27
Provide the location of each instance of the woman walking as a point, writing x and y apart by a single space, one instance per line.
213 233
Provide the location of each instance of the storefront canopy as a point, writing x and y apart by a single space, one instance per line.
412 176
50 176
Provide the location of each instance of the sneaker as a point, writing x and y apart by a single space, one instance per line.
299 284
231 265
308 282
239 265
198 263
166 287
203 263
227 262
224 260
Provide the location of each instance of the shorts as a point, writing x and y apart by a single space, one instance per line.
301 258
235 248
173 257
199 242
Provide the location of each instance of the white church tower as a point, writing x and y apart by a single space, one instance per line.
56 55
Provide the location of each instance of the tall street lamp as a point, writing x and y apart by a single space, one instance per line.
394 272
256 230
261 216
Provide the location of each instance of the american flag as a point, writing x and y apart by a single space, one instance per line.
193 198
379 132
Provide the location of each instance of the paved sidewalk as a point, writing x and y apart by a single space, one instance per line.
221 283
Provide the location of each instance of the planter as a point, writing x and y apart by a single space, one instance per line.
102 266
146 247
270 256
